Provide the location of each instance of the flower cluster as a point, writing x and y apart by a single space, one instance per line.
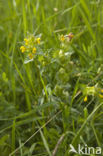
94 91
67 38
30 45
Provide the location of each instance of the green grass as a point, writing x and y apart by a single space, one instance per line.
42 101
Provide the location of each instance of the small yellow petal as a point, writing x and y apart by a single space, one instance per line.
38 40
26 41
23 49
85 99
34 50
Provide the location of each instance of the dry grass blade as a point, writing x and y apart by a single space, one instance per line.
57 145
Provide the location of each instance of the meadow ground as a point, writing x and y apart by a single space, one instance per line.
51 83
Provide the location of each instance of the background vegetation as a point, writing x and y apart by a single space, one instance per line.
56 99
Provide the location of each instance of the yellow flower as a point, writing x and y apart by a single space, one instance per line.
85 99
30 55
101 90
23 49
62 38
26 41
34 50
38 40
101 96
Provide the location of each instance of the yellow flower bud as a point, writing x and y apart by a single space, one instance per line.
85 99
